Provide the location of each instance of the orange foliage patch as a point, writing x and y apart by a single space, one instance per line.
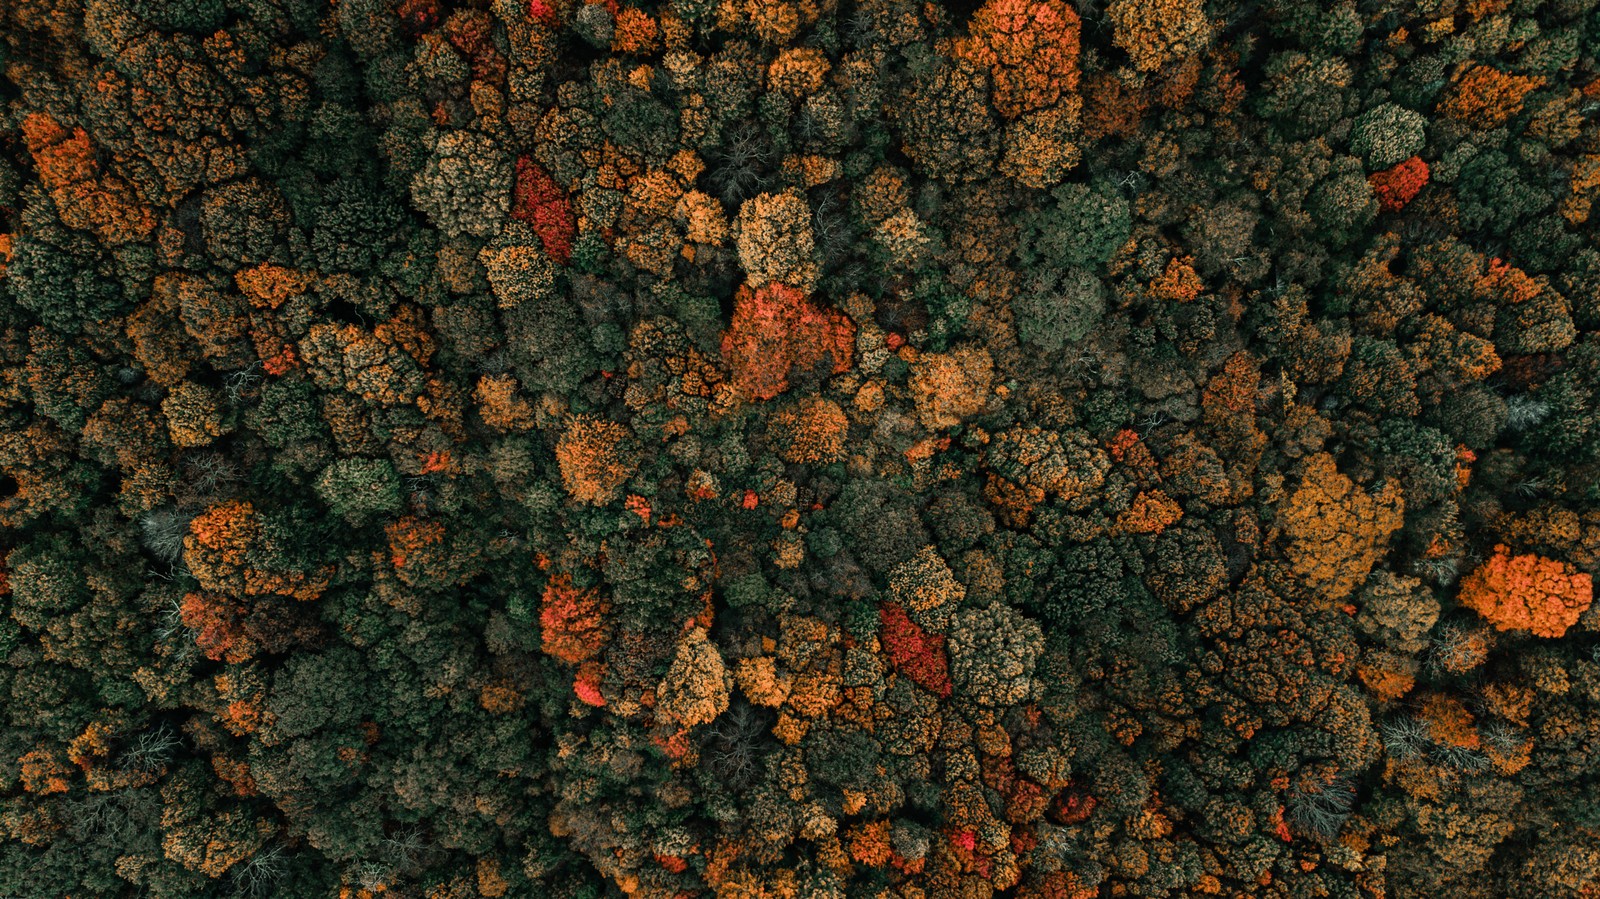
501 406
573 620
948 387
1449 722
218 551
85 196
811 431
412 536
500 698
1336 529
268 286
1486 97
1178 283
1527 592
594 460
1152 512
44 772
1387 676
1031 49
1157 32
635 32
776 330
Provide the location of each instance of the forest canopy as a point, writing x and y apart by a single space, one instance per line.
744 449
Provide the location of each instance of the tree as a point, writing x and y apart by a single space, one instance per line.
233 550
1527 592
926 588
1343 204
465 187
194 415
1051 309
86 196
777 331
539 202
1083 228
696 687
1336 530
1387 134
1398 185
572 621
775 241
948 387
596 457
1028 465
1156 33
360 490
913 651
993 651
1484 97
812 431
1031 50
946 122
1398 611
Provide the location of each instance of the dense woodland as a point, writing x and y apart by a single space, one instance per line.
739 448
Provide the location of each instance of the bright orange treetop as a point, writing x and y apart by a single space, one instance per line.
776 329
1527 592
1032 48
573 621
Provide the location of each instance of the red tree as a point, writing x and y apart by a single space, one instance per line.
914 652
573 620
538 201
1397 186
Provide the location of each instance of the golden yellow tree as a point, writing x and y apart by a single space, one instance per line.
1156 32
1336 530
695 690
596 459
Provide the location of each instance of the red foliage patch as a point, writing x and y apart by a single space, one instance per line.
1072 806
230 631
573 621
587 684
914 652
1397 186
541 203
541 12
418 16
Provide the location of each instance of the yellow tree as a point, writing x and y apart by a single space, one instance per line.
1336 530
695 690
595 459
1157 32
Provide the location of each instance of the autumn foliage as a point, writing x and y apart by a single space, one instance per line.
1527 592
1485 97
1337 530
1031 47
740 449
1397 186
537 200
595 458
914 652
572 621
777 332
